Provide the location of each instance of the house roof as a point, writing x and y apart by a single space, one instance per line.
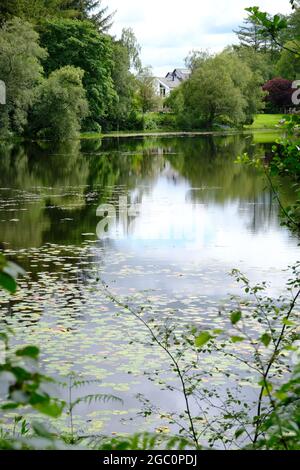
181 74
168 83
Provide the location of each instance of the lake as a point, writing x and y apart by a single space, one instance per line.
161 221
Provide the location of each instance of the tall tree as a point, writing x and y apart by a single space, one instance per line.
21 71
78 43
37 10
147 98
288 65
34 11
124 112
128 39
249 35
94 11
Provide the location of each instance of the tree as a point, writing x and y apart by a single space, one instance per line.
288 65
196 58
261 62
34 11
124 113
146 96
38 10
222 90
129 41
78 43
250 36
279 93
94 11
60 105
21 71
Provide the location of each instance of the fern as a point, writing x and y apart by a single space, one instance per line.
89 399
145 441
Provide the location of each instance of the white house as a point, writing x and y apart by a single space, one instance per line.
164 85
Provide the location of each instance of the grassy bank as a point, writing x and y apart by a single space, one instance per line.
266 121
156 124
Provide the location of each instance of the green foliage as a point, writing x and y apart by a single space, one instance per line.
25 385
285 417
129 41
39 10
144 441
261 62
79 44
60 105
9 272
159 121
268 26
288 65
221 90
254 354
34 11
202 339
92 10
21 71
146 96
124 114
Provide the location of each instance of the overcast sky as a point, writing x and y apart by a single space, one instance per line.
168 29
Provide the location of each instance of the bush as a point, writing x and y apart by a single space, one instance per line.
60 105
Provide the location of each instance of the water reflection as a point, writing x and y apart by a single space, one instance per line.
181 186
192 215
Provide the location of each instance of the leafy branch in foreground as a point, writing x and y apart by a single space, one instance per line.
271 26
9 272
218 368
175 360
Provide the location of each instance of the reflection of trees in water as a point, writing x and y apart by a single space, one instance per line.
37 176
263 211
208 164
60 186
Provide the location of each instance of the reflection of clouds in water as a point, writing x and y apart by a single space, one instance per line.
199 216
170 226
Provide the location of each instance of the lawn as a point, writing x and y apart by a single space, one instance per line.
266 121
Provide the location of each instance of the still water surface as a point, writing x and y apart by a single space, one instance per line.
186 214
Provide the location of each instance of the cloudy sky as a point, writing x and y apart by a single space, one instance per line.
168 29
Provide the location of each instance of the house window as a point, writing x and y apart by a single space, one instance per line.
162 91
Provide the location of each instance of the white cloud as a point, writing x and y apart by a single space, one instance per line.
168 29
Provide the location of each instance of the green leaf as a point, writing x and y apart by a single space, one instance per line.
266 339
281 395
29 351
235 317
268 387
50 408
8 283
202 339
239 433
237 339
41 430
287 322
